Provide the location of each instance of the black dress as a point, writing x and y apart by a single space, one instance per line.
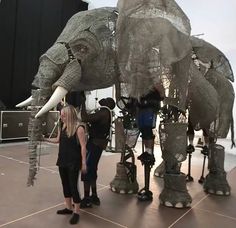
69 151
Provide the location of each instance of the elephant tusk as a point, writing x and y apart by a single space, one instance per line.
56 97
26 102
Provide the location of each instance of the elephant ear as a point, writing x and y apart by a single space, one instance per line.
206 52
70 78
57 54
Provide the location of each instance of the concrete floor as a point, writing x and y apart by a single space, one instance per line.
23 207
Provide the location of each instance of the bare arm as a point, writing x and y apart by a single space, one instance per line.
81 136
53 140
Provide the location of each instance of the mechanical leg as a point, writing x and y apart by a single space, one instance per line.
205 154
190 150
189 178
147 160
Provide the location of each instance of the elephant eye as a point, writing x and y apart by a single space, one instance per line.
83 49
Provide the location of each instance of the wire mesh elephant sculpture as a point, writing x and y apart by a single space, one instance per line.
147 43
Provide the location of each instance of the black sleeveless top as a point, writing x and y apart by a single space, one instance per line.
100 123
69 151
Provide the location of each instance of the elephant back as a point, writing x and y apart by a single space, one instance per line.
85 20
206 52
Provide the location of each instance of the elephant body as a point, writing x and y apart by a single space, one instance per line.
147 44
99 67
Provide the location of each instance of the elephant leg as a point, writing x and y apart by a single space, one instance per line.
160 170
216 182
173 135
173 142
125 179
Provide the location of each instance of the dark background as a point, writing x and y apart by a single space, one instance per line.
27 29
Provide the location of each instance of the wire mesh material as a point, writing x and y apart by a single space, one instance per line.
211 93
225 92
152 36
206 52
131 137
169 133
203 100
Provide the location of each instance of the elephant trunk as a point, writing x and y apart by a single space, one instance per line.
35 131
55 73
47 74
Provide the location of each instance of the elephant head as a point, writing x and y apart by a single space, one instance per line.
151 37
82 58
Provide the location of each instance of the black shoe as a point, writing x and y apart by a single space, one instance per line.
65 211
74 219
190 148
95 200
85 203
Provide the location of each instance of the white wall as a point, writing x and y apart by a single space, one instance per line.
95 95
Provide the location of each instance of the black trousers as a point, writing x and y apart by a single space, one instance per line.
69 179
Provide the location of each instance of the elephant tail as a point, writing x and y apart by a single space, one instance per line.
232 133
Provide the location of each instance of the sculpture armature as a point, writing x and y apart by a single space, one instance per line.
148 43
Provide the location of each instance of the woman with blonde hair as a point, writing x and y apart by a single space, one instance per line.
71 158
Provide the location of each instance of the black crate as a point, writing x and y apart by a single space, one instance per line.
14 124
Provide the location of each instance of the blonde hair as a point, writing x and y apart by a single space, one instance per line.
71 122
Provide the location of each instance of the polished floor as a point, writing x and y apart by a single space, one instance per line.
35 207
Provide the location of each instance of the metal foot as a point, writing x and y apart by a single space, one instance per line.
144 195
189 178
201 180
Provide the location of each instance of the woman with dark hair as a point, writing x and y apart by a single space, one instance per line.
99 124
71 158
